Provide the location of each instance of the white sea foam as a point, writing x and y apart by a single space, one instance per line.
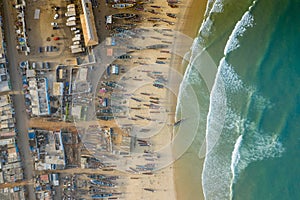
235 158
208 7
212 7
230 77
261 102
206 27
234 85
212 168
217 6
253 145
238 31
189 76
259 146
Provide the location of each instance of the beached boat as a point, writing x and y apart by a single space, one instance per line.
123 5
119 27
123 15
171 15
121 1
154 19
149 189
157 46
179 122
123 57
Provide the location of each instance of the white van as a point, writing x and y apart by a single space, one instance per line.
78 36
75 46
71 23
76 43
71 6
71 19
76 39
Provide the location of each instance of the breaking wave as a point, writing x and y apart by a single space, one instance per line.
238 31
235 142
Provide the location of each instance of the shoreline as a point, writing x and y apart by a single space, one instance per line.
189 25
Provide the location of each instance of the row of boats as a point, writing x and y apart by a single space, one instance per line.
123 4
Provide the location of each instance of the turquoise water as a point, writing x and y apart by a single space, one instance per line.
252 128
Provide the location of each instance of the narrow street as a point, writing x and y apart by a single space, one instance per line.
18 99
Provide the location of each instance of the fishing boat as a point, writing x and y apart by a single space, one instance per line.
123 5
154 19
157 46
179 122
123 27
123 15
149 189
121 1
101 196
124 56
171 15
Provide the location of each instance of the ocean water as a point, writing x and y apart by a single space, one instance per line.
250 116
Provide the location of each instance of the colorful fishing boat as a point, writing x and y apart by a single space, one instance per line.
123 5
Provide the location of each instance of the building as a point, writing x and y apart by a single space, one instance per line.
6 116
58 88
4 78
38 90
88 24
50 150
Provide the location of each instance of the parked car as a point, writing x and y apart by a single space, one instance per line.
56 16
54 24
71 19
33 65
47 65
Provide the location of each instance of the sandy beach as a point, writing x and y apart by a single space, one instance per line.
176 179
173 181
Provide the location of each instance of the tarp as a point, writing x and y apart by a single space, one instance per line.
37 14
109 52
31 135
115 69
109 19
